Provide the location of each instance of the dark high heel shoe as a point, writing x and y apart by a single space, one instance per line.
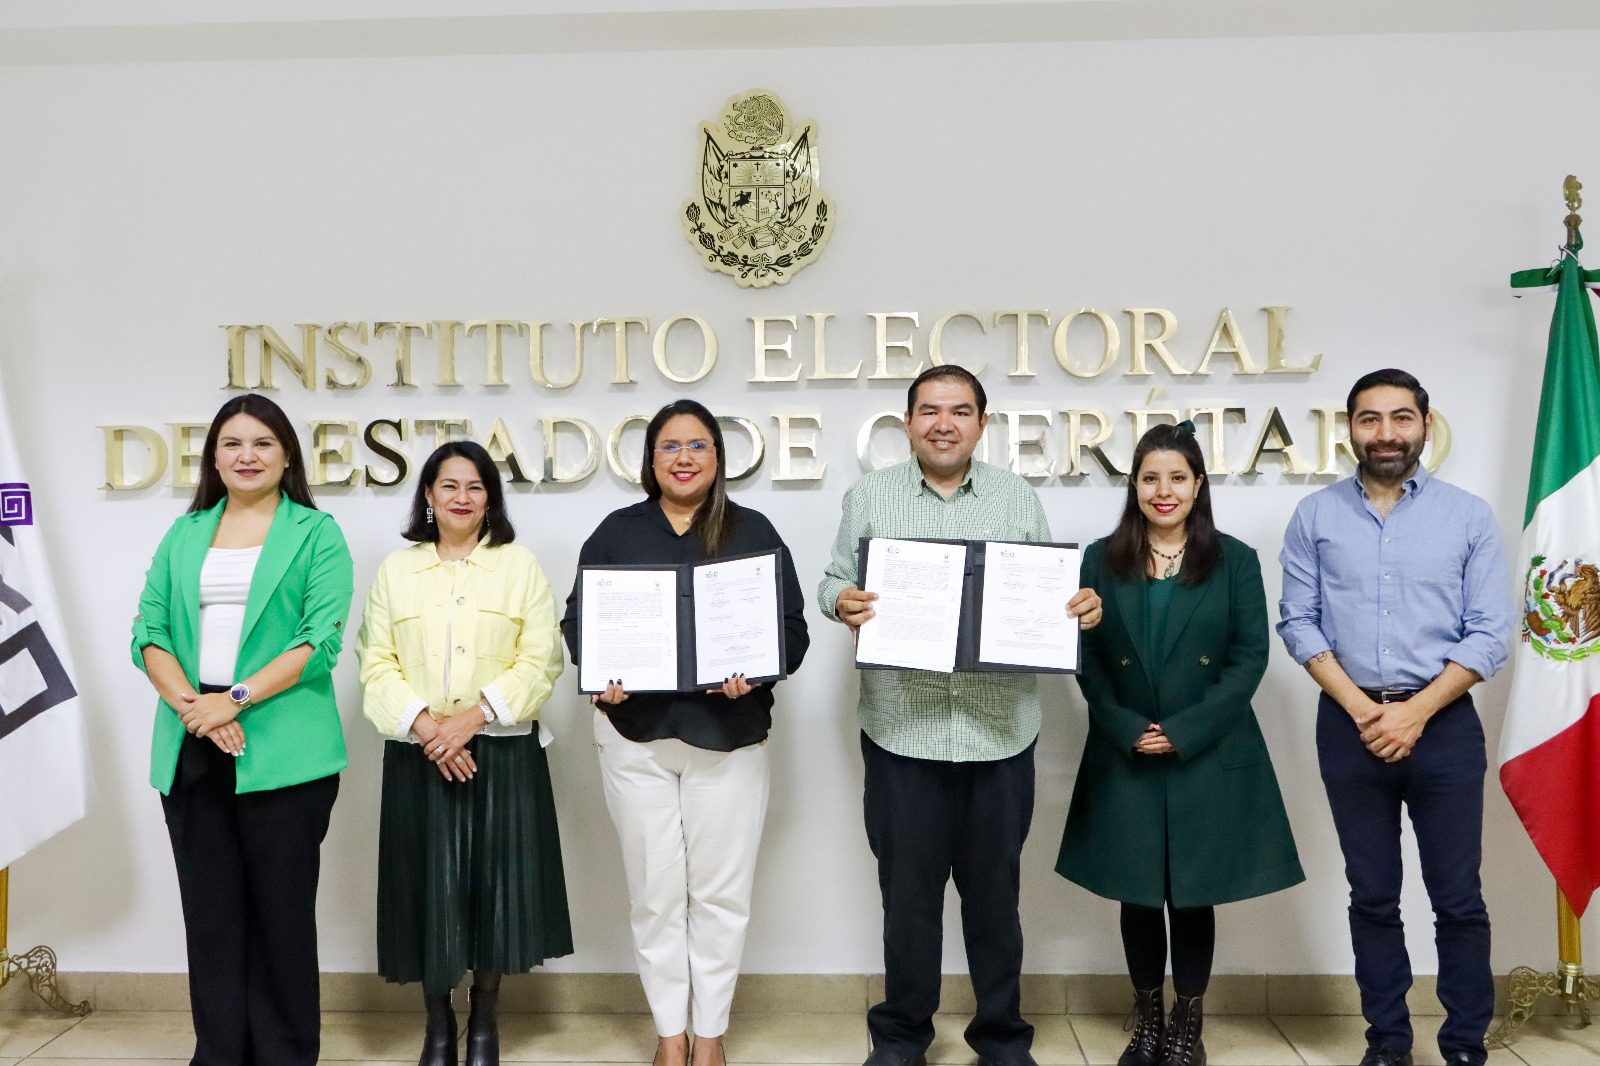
439 1041
483 1030
1148 1025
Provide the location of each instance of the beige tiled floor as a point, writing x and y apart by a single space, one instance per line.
164 1038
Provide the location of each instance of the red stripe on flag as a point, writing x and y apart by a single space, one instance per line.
1555 789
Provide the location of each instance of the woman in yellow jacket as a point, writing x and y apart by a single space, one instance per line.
459 649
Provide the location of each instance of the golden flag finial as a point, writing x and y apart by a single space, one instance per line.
1573 189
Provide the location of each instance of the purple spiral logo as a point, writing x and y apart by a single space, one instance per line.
16 504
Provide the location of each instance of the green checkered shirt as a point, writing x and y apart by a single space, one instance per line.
963 717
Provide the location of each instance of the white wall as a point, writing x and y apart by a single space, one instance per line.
1384 187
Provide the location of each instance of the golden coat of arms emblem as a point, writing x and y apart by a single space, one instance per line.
760 216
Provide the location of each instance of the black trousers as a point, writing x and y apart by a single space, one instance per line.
247 875
928 821
1441 785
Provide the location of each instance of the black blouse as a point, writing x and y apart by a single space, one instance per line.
641 534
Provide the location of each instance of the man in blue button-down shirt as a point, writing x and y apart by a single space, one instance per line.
1396 599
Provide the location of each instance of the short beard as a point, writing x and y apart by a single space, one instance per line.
1389 469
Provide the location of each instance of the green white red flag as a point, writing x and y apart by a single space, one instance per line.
1550 747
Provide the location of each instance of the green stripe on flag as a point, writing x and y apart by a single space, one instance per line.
1568 436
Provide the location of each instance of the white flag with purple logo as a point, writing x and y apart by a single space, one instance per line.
44 757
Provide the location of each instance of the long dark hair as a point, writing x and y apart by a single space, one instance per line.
713 521
1128 547
496 522
209 488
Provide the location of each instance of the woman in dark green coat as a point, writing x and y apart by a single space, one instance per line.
1176 806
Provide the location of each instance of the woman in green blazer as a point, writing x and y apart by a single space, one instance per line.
1176 805
239 626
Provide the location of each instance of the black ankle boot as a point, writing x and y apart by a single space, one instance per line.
1183 1046
483 1033
439 1042
1148 1024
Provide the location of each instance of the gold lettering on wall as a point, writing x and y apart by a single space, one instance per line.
1140 341
331 335
936 336
325 453
1108 350
1217 418
907 345
1227 339
627 470
762 346
802 442
155 461
402 347
708 351
1077 444
1020 367
502 450
591 451
1275 358
819 351
186 452
623 374
1274 439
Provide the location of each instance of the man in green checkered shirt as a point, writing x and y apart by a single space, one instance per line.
949 757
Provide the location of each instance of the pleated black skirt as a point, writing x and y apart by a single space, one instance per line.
469 872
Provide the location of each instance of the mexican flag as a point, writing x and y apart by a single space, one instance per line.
1550 747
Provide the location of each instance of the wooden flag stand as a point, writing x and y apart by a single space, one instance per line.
1529 986
38 965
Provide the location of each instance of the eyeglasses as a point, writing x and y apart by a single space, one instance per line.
695 448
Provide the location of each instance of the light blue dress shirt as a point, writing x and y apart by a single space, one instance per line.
1395 599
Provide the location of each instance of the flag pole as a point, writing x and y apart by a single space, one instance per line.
1527 986
1568 984
38 965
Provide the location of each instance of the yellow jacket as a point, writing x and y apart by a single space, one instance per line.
493 614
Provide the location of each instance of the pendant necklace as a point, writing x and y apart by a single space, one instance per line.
1172 560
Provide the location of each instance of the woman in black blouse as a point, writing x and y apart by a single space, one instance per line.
686 774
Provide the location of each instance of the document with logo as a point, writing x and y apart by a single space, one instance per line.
738 620
969 605
916 619
628 629
681 628
1023 621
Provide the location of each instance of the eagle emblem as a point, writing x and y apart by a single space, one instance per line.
1561 608
760 216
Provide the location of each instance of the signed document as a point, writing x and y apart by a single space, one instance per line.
628 629
738 627
1024 619
917 616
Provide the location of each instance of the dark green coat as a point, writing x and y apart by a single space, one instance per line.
1211 810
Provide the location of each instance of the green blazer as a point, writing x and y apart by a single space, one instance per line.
300 594
1210 813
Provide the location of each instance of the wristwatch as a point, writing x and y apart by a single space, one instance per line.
489 717
240 694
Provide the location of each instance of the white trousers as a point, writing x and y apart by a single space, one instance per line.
690 825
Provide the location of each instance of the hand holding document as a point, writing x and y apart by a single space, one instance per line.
628 621
1024 620
737 623
918 610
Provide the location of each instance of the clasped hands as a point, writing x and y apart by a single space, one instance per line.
854 607
444 741
1391 730
211 716
1154 741
733 688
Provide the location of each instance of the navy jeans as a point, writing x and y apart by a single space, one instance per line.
1441 785
929 821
